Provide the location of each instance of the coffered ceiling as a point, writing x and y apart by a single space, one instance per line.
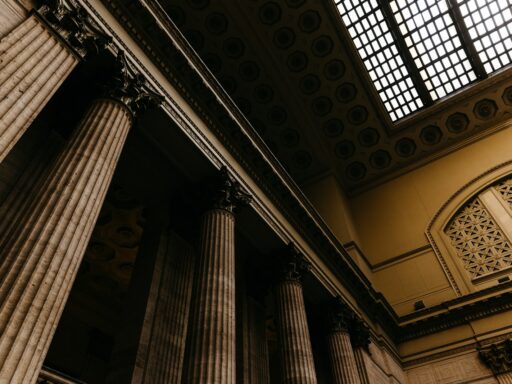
293 72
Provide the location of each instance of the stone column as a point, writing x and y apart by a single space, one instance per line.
360 340
297 364
255 349
34 61
505 378
161 349
341 355
212 357
41 252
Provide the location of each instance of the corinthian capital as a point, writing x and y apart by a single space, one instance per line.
72 22
292 265
227 193
340 316
498 357
129 87
359 334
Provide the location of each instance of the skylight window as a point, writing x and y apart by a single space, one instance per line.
419 51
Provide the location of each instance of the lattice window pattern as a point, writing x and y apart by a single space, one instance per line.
479 242
504 188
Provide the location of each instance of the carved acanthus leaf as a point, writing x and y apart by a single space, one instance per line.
128 86
74 25
227 193
293 265
498 357
359 334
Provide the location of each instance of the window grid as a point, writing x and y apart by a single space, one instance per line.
419 51
373 39
489 23
432 39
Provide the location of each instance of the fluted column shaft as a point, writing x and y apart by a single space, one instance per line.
212 348
33 64
162 346
505 378
256 364
361 366
341 355
41 253
297 364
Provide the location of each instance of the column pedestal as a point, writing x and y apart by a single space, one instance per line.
297 364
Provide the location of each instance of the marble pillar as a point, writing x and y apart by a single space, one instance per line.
505 378
254 342
35 58
12 14
161 349
41 253
341 354
296 354
33 64
212 355
360 340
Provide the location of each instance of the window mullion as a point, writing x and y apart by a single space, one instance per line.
469 47
406 55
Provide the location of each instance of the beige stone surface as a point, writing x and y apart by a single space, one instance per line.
40 255
297 364
212 356
33 64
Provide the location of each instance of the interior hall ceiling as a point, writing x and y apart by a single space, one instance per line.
292 71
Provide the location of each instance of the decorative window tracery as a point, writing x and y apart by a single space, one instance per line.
482 245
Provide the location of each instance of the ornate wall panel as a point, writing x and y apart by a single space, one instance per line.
461 369
480 244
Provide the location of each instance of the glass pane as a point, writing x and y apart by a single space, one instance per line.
434 44
489 23
379 52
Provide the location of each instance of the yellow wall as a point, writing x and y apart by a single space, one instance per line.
388 222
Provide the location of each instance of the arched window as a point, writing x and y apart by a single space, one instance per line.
481 231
